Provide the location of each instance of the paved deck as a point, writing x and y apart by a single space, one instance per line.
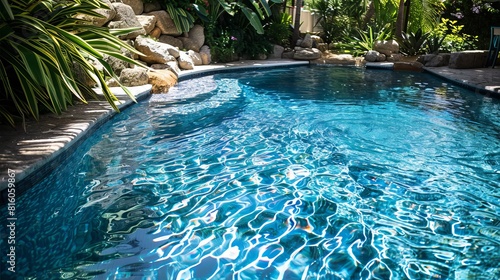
24 152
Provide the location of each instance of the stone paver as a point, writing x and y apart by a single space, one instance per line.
24 152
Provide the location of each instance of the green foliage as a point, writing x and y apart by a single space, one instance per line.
222 47
42 42
455 40
182 19
364 41
278 31
413 43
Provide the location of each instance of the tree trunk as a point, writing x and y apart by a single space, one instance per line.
369 14
296 25
400 19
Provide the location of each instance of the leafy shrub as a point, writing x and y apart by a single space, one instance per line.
454 40
42 43
278 31
365 40
413 43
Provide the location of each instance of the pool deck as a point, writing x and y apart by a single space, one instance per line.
52 138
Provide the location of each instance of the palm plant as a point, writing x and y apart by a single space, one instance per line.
42 42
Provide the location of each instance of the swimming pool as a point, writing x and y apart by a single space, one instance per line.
300 173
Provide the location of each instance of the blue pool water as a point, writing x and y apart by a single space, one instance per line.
301 173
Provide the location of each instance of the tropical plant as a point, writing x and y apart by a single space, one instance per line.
179 12
412 43
365 40
42 42
455 40
278 30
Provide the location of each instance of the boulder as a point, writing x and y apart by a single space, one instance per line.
174 67
154 52
381 57
468 59
316 41
189 44
306 54
185 61
161 80
152 6
165 23
171 41
112 83
197 35
136 5
307 42
116 64
277 52
131 77
147 22
288 54
196 57
386 47
371 56
434 60
394 57
206 56
107 15
155 33
125 18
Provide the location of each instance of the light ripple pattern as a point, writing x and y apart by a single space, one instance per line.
301 173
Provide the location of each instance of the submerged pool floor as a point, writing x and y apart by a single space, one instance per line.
301 173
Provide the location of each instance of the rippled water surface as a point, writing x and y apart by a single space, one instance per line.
302 173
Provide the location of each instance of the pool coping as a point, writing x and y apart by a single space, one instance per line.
77 127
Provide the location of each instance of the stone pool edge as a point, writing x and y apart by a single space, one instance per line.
64 143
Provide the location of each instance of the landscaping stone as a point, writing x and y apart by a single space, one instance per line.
185 61
161 80
132 77
197 36
147 22
206 56
116 64
434 60
287 54
196 57
468 59
393 57
307 42
371 56
154 52
167 39
136 5
165 23
174 67
381 57
125 18
189 44
306 54
386 47
153 6
155 33
107 15
277 52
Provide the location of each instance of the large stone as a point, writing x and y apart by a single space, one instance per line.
116 64
147 22
125 18
165 23
277 52
155 33
386 47
154 52
185 61
206 56
161 80
434 60
306 54
152 6
288 54
174 67
131 77
307 42
171 41
196 57
371 56
107 15
468 59
136 5
189 44
381 57
394 57
197 35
